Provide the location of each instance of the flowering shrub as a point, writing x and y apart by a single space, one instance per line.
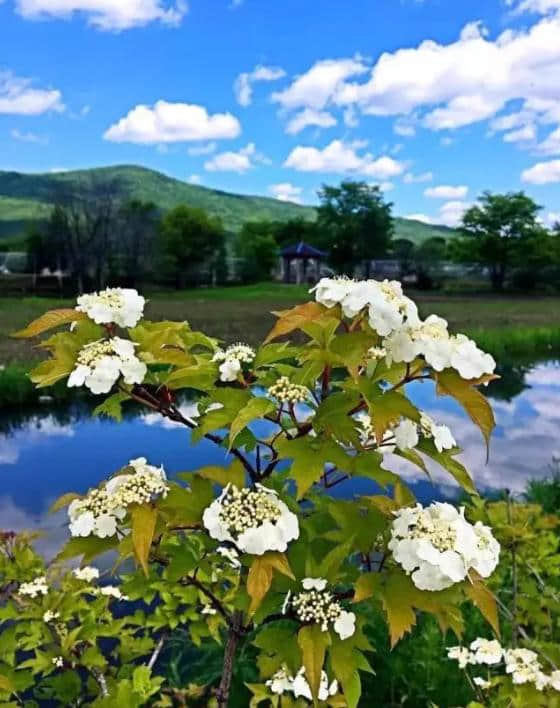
255 552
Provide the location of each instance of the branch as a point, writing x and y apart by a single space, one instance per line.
215 602
157 651
100 678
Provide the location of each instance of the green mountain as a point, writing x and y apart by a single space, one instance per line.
25 198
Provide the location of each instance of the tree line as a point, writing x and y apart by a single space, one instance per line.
102 236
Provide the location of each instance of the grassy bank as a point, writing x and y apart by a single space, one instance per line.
505 326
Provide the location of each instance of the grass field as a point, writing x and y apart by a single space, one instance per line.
244 313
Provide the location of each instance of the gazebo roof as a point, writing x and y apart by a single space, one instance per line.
302 250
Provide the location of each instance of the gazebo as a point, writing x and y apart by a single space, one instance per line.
307 263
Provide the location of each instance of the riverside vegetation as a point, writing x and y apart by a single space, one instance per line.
256 556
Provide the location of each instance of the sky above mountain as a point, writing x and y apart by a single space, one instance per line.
433 100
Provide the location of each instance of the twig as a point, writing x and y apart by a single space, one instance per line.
100 678
157 651
223 690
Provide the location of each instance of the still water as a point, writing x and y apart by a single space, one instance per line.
47 452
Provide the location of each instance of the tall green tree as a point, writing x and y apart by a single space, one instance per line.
257 250
189 238
355 224
501 231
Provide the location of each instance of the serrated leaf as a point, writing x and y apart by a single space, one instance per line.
344 658
143 518
255 408
88 548
234 474
50 320
289 320
112 406
63 501
6 684
387 409
449 383
261 573
313 644
271 353
367 586
397 597
447 460
484 599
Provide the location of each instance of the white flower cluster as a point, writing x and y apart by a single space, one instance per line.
230 555
121 306
35 587
406 434
111 591
431 340
50 616
255 520
99 365
282 682
88 573
57 661
231 360
387 307
521 664
395 317
287 392
438 546
100 511
317 605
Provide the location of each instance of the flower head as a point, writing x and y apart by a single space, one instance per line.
460 654
87 573
101 510
316 604
282 682
50 616
231 360
121 306
255 520
57 661
438 546
35 587
100 364
486 651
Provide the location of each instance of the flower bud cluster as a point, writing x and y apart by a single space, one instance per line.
438 546
377 353
100 364
100 511
121 306
255 520
287 392
521 664
50 616
35 587
317 605
57 661
231 360
88 573
283 682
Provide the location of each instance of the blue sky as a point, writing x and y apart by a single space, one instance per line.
434 100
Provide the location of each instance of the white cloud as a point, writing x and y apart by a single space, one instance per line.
386 186
404 127
449 214
206 149
551 144
28 137
541 7
339 156
317 86
113 15
194 179
243 85
309 116
411 178
552 218
523 134
350 117
286 192
230 161
446 141
18 97
172 122
465 81
542 173
424 218
445 191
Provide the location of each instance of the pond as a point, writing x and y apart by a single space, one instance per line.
49 451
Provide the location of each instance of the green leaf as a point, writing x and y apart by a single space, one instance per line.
367 586
63 501
234 474
6 684
88 548
232 401
112 406
344 658
313 644
254 409
387 408
449 463
449 383
260 576
143 519
271 353
484 599
351 348
289 320
50 320
333 417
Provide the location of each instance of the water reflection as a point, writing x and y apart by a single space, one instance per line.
49 451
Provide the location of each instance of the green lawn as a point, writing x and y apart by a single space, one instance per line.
243 313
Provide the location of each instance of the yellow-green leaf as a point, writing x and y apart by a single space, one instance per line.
313 644
234 474
254 409
367 586
259 581
484 599
63 501
288 320
143 526
447 460
50 320
449 383
6 684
